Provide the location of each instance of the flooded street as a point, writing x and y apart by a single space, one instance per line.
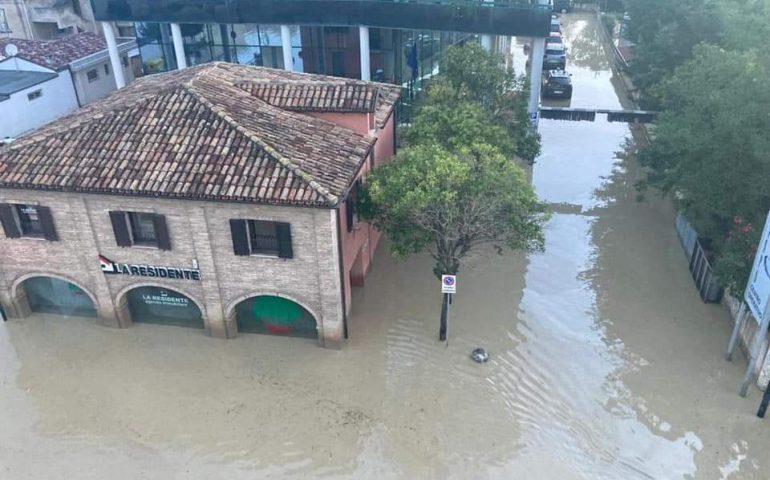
604 362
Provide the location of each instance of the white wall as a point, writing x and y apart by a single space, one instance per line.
15 63
103 86
19 115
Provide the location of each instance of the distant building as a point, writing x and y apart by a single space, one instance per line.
220 197
48 79
45 19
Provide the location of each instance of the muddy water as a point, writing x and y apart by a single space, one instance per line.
604 362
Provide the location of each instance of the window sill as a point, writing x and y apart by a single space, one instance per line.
264 255
146 247
29 237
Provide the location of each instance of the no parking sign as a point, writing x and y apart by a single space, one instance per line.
448 284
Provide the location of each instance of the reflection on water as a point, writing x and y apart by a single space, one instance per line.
604 365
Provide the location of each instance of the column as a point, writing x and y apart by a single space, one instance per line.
176 36
288 63
486 42
363 47
112 48
535 77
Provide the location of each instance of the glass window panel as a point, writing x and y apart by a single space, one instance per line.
29 221
142 228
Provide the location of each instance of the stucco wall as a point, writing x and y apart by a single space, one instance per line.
360 244
91 91
18 114
198 231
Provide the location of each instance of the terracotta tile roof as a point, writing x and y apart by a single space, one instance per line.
311 92
190 134
56 54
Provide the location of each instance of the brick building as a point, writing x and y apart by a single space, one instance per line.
219 197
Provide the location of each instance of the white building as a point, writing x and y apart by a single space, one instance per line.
45 80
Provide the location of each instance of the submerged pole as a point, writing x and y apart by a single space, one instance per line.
736 330
444 317
765 402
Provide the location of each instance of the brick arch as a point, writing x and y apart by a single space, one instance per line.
121 301
230 310
20 281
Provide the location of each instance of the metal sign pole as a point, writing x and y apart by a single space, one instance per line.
736 330
755 348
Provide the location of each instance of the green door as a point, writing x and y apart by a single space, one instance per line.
275 315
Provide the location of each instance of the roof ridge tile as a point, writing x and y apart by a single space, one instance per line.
309 179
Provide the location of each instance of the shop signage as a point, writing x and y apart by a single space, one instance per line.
758 288
113 268
166 300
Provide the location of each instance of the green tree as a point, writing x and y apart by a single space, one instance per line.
471 74
450 203
665 33
444 119
710 150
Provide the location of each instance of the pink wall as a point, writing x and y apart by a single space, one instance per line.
363 239
354 121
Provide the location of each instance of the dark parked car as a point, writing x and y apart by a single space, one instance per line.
557 84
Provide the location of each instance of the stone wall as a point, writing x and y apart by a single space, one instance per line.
199 232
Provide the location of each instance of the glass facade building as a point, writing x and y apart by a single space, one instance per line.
402 57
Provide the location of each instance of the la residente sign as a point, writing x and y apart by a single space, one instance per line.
153 271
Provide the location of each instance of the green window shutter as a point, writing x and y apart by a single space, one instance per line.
120 228
161 232
46 220
240 237
283 232
9 221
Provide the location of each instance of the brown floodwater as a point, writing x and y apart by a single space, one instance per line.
604 362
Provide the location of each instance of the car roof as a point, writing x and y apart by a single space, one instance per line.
555 34
558 73
556 46
555 21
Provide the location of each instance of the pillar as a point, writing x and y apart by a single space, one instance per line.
486 42
535 78
176 36
363 47
112 49
288 63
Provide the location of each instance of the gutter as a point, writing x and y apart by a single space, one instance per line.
342 274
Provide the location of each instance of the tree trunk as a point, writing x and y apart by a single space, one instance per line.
444 317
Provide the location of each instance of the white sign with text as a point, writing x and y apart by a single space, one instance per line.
758 289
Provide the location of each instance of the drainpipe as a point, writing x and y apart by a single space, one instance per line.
176 37
24 14
342 273
112 48
363 40
288 64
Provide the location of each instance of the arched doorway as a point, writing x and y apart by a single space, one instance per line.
269 314
57 296
163 306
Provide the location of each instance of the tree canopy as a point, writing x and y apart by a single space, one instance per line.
456 185
708 73
449 202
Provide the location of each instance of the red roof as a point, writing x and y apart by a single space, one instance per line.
56 54
195 134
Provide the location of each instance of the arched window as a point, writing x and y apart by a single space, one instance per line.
274 315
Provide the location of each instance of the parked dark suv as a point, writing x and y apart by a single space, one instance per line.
557 84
